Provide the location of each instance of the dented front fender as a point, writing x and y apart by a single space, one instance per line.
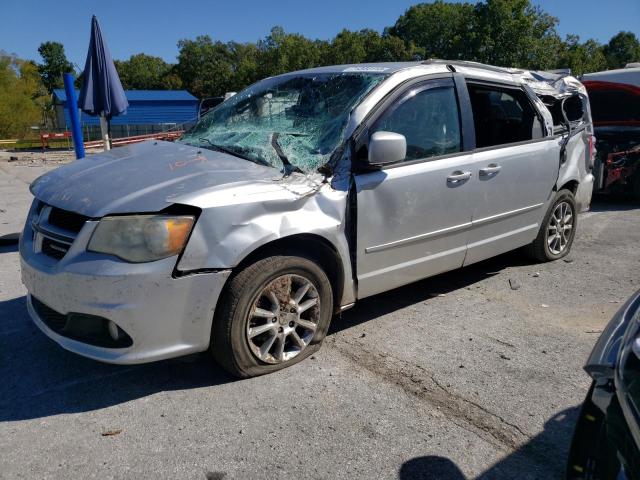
236 221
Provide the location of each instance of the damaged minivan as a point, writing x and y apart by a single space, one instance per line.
291 200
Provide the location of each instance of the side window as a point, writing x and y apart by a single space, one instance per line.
429 120
502 115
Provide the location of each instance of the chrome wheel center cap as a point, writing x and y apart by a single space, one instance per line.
286 317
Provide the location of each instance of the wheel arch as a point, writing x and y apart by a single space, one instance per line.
308 245
571 185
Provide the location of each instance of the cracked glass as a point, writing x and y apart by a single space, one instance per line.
293 122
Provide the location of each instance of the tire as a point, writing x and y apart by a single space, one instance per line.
267 287
543 249
635 187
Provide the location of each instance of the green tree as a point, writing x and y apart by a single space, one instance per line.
623 48
21 96
514 33
282 52
205 67
146 72
441 30
171 80
54 64
244 60
499 32
581 57
510 33
367 46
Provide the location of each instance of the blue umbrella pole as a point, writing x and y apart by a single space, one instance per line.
104 130
72 105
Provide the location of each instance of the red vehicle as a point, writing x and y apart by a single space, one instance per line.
615 106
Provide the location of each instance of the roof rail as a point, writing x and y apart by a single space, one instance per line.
465 63
559 71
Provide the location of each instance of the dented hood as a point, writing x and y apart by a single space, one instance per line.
145 177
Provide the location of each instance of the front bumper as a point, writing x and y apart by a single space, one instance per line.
164 316
602 445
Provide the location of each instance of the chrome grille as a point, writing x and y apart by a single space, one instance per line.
69 221
54 230
54 249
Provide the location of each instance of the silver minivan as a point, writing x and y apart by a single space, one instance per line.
291 200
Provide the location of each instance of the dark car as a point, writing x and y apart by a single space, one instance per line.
606 442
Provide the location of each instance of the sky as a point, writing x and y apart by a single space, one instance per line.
154 27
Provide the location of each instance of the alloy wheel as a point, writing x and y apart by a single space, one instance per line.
283 319
560 228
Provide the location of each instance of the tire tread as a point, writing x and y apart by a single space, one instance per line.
536 249
221 332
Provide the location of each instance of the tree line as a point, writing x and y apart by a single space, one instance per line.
511 33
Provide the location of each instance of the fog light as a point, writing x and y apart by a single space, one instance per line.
114 331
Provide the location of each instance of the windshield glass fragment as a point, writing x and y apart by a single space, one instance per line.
292 122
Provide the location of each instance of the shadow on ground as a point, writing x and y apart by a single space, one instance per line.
8 248
40 379
421 291
542 457
9 242
613 203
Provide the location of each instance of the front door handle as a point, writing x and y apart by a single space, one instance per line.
458 177
490 169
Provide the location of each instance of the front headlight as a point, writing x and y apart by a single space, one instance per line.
141 238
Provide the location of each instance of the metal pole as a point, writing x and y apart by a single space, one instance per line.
72 106
104 129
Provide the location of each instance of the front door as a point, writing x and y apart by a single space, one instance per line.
413 216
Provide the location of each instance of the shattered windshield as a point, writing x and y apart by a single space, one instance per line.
292 122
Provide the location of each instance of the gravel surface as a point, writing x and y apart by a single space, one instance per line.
17 171
471 374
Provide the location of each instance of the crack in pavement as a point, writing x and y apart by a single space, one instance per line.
417 381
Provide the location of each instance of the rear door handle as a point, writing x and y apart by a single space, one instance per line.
490 169
458 177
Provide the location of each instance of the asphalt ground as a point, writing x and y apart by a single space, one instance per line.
476 373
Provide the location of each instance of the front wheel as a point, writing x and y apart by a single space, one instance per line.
273 313
557 231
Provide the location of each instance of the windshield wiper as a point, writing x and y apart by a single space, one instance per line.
287 168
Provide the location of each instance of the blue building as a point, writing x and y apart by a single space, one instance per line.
149 111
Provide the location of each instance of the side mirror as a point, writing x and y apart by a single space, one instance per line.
387 147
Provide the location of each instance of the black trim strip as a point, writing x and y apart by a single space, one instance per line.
52 235
468 127
495 83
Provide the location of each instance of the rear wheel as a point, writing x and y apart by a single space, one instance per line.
557 231
273 314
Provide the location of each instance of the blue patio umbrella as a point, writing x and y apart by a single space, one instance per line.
102 94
